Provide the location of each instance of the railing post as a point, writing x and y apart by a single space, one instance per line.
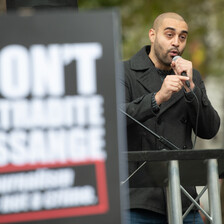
213 191
173 193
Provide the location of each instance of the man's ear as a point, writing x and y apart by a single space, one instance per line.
152 35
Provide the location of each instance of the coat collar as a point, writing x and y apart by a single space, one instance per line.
141 60
146 71
148 76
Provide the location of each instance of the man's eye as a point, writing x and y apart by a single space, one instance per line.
183 37
169 34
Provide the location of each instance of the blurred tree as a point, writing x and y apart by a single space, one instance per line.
205 45
2 6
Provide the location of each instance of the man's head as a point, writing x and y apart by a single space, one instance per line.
168 38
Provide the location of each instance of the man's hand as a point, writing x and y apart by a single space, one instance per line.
181 65
171 84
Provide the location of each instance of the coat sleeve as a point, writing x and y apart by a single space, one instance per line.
203 117
137 104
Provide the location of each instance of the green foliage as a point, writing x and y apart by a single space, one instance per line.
204 17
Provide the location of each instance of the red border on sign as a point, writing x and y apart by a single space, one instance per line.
100 208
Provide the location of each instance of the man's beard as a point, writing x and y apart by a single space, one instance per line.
163 58
162 55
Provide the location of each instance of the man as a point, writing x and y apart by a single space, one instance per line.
158 96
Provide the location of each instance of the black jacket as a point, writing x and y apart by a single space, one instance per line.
175 121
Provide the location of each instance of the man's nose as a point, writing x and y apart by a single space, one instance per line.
175 41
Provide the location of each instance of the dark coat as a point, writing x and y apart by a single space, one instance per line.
175 121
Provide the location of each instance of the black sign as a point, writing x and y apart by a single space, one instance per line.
59 151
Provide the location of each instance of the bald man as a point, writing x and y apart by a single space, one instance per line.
158 97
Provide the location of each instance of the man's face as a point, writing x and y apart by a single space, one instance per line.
170 40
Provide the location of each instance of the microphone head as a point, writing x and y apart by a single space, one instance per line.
175 58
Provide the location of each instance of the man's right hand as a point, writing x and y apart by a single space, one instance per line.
171 84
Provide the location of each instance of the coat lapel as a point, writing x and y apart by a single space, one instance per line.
149 78
146 73
175 98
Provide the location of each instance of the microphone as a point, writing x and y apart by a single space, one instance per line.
183 73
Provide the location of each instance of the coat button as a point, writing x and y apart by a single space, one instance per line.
184 120
205 101
184 147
